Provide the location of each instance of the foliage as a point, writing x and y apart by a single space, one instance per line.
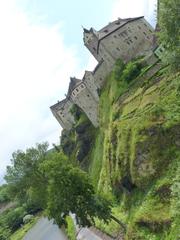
23 175
4 195
14 218
70 190
169 35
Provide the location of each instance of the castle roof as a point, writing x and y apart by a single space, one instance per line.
74 82
59 105
115 25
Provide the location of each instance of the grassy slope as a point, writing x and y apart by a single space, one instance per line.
138 139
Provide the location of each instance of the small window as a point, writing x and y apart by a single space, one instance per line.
130 40
88 95
106 31
145 24
73 93
150 30
135 37
115 36
82 86
144 33
94 49
118 49
117 23
77 90
130 31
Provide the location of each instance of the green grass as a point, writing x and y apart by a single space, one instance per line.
70 230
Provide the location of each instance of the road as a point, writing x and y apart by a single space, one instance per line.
44 229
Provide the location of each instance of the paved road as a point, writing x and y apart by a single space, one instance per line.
45 230
86 234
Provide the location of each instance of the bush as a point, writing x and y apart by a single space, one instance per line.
14 218
131 71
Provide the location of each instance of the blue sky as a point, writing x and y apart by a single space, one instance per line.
41 46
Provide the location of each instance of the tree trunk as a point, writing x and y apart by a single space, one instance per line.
119 222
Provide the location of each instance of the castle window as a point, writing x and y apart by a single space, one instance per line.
94 49
115 36
130 31
82 86
106 31
117 23
130 40
150 30
77 90
88 95
144 33
118 49
73 93
135 37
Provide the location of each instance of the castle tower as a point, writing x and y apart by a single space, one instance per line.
83 97
62 112
90 39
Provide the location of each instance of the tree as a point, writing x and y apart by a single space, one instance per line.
169 36
70 190
23 176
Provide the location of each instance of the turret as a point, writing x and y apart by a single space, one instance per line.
90 38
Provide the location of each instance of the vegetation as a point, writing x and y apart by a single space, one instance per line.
169 35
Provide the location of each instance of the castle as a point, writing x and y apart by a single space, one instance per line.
121 39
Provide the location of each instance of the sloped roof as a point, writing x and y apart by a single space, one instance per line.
115 25
73 83
58 105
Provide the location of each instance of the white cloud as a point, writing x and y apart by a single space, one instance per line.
35 65
135 8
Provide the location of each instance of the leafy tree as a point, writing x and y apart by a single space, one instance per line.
169 36
70 190
23 176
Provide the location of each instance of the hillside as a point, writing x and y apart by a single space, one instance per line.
133 156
